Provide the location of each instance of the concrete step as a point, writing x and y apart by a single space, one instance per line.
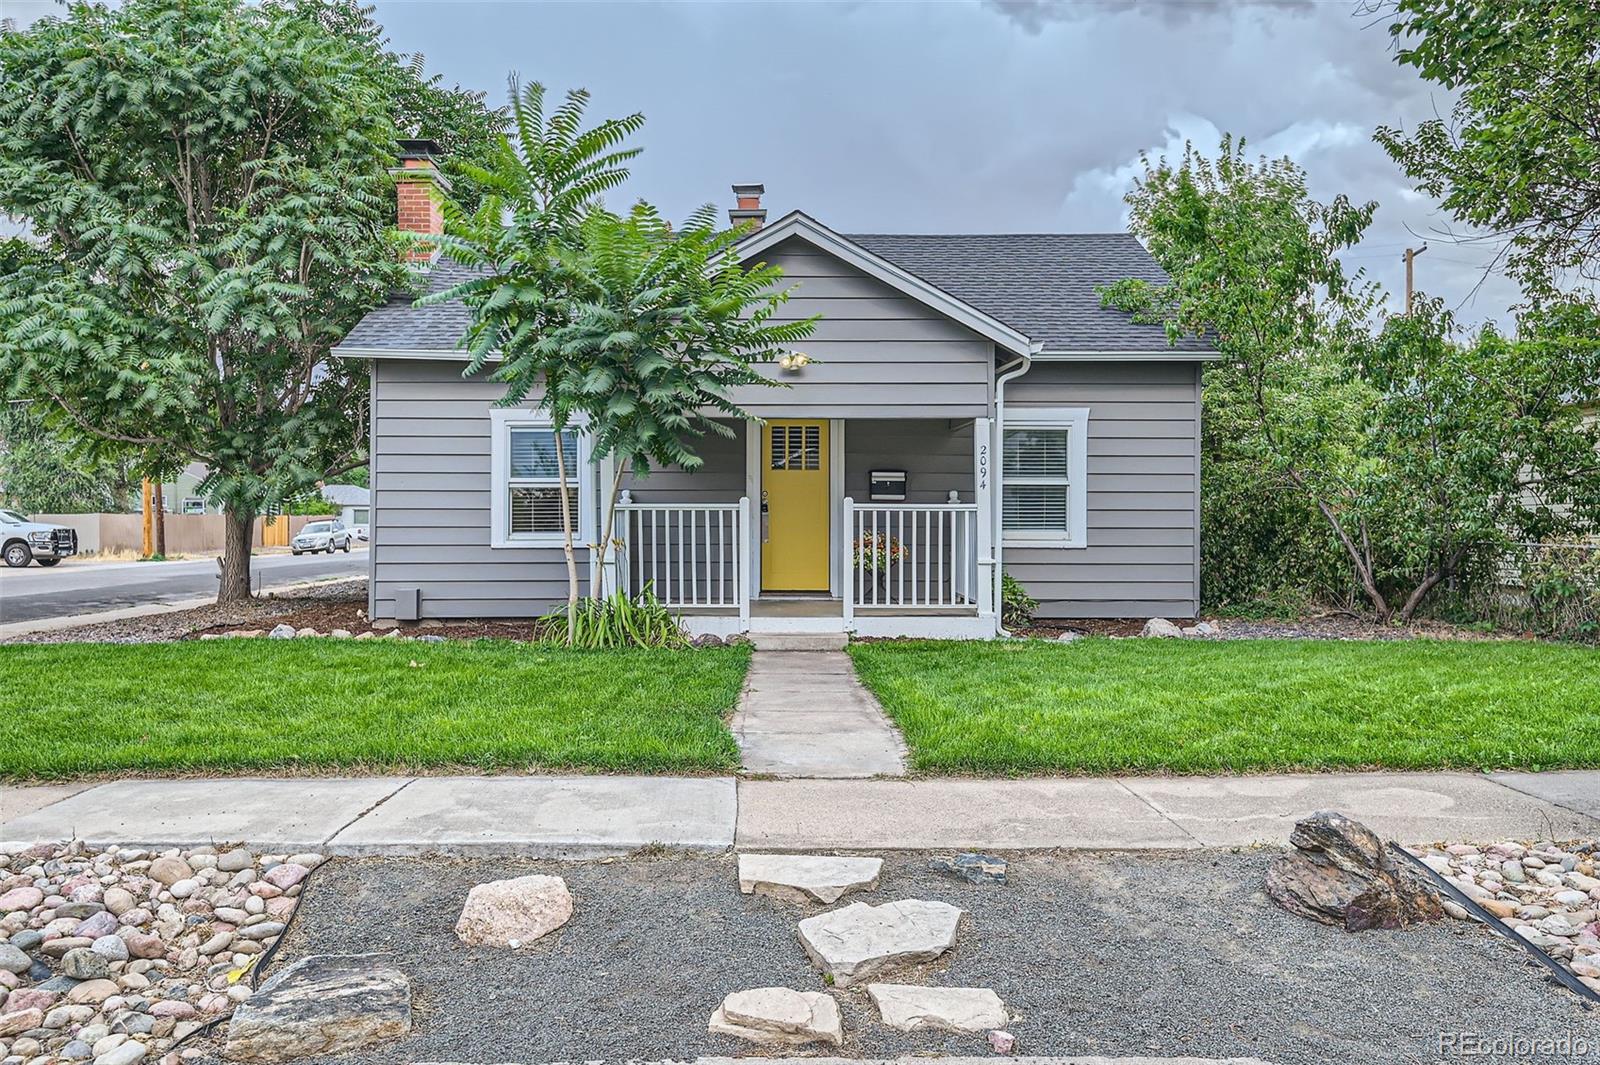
799 641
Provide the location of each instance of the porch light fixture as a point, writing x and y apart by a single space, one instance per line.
794 362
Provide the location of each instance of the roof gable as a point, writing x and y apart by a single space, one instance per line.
797 225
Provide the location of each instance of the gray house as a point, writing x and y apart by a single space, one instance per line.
965 407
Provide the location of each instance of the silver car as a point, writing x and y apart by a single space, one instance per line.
329 536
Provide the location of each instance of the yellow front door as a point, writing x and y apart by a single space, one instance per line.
794 487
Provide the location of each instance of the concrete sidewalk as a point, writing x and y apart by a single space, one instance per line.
586 816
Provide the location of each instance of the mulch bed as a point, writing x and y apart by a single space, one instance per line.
1338 626
351 616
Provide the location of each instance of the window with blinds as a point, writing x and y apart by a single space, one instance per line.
797 447
534 482
1037 493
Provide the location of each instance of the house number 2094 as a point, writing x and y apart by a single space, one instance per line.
983 465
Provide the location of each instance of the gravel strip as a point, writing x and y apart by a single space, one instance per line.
177 624
1110 954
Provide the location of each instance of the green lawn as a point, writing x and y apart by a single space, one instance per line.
70 709
1104 706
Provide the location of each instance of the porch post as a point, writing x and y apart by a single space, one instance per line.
742 577
983 495
847 564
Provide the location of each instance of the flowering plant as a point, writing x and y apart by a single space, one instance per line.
878 551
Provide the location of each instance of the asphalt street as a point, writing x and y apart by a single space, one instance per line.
80 587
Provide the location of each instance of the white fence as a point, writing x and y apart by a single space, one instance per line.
688 554
909 555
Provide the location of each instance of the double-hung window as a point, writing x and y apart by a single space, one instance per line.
1044 470
526 508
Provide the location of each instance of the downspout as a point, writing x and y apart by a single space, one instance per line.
997 538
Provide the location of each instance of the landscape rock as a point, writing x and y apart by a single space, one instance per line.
321 1005
1002 1042
859 941
14 960
18 1021
523 909
281 632
971 867
1160 628
169 871
779 1015
807 877
913 1008
82 963
1340 873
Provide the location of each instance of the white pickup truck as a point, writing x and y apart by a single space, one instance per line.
23 541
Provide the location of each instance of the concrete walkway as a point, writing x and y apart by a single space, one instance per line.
594 815
804 714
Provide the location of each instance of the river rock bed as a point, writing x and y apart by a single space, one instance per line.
111 957
1547 893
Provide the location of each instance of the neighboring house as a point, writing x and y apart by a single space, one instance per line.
968 407
182 494
353 501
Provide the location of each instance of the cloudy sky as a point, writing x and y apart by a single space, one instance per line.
969 115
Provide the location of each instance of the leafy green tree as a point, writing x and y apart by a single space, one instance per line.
1419 451
1519 154
1479 444
629 326
422 105
665 323
542 180
209 183
1254 267
44 471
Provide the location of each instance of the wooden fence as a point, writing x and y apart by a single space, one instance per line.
187 534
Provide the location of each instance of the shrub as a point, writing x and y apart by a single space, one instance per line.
1016 605
615 621
1562 582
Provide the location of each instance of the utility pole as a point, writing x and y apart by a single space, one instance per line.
149 547
1411 258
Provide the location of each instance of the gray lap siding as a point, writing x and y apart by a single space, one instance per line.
430 518
1143 492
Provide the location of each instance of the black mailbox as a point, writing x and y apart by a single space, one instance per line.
888 484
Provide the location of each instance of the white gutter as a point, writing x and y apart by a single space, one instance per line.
997 538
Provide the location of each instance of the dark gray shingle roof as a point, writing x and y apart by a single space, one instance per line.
1040 284
398 326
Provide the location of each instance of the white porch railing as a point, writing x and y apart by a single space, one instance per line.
689 554
907 555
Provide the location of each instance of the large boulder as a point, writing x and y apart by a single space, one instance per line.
1161 628
1340 873
503 912
779 1015
322 1004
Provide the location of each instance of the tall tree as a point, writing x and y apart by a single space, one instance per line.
208 181
1420 451
1255 268
43 470
543 179
1519 154
422 105
666 323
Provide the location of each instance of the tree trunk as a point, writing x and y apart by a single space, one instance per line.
566 543
234 583
609 525
161 521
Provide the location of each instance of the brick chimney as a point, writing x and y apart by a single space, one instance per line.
415 180
747 211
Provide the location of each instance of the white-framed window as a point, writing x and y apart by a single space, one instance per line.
1044 476
526 488
192 505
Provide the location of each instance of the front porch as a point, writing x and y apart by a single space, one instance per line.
799 552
